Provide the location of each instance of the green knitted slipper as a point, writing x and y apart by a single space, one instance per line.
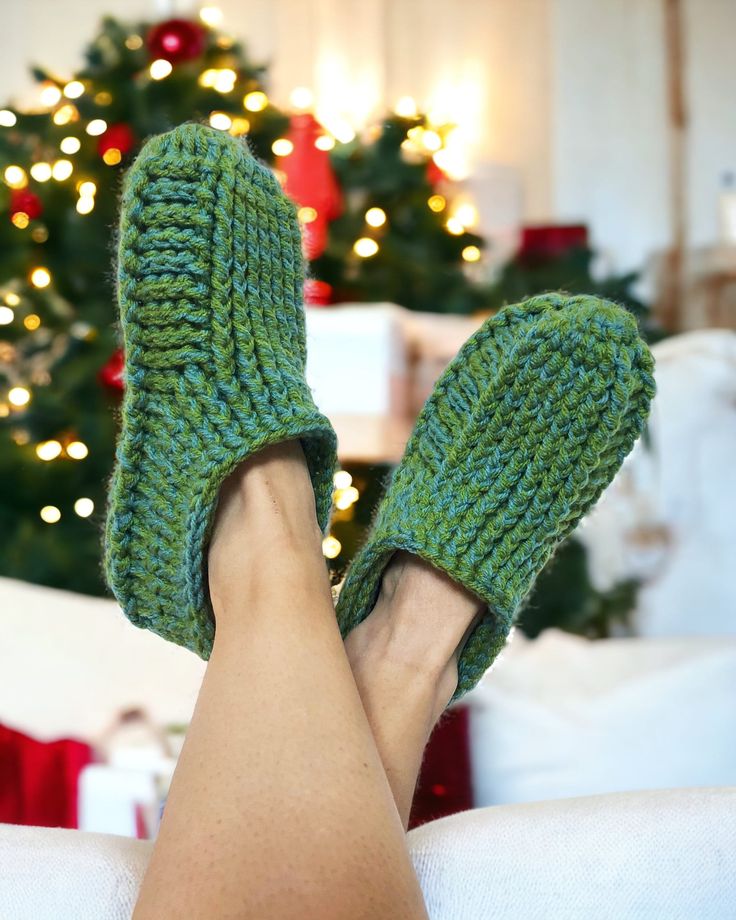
210 286
522 433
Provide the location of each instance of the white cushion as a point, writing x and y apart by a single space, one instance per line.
563 716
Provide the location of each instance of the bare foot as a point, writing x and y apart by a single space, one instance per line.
404 659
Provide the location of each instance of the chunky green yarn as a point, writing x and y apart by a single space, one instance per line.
522 433
210 278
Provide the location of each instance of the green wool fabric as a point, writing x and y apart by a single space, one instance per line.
210 278
522 433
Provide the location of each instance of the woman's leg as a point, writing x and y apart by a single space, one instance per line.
404 661
279 807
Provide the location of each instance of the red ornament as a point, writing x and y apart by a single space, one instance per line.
26 202
111 373
176 40
317 293
310 182
118 136
434 174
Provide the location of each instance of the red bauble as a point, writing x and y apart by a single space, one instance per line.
317 293
176 40
22 200
111 373
118 136
434 174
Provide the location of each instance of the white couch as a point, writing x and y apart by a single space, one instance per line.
638 856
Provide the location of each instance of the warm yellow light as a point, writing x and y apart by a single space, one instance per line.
20 220
224 81
32 322
301 97
103 98
40 277
77 450
15 177
41 172
343 131
324 142
6 316
85 205
50 95
84 507
437 203
39 234
50 514
331 547
455 227
74 89
96 127
365 247
255 101
221 121
62 169
12 299
160 69
344 498
133 42
431 140
471 254
211 16
375 217
112 156
87 189
48 450
207 77
467 214
342 479
19 396
239 126
7 118
70 145
306 215
4 410
282 147
406 107
65 114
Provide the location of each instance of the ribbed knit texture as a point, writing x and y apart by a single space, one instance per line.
210 278
522 433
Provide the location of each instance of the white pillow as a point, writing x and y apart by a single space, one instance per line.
563 716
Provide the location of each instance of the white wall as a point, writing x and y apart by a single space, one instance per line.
563 100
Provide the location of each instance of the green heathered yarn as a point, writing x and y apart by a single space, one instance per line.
522 433
210 278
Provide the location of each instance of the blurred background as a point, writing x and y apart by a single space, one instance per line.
446 159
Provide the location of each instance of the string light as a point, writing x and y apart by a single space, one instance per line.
365 247
375 217
406 107
85 205
282 147
324 142
301 97
160 69
74 89
40 277
221 121
97 126
41 172
455 227
77 450
50 514
112 156
239 126
344 498
87 189
255 101
6 316
61 170
7 118
431 140
331 547
19 397
84 507
50 94
4 410
65 114
467 214
20 220
306 215
12 299
103 98
437 203
70 145
211 16
133 42
39 234
48 450
342 479
15 177
32 322
471 254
